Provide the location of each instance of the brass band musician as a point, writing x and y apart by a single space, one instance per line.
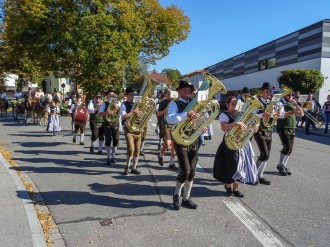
96 123
286 124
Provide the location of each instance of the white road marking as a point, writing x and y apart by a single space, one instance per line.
259 231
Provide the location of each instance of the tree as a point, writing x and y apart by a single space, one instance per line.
91 42
303 80
173 75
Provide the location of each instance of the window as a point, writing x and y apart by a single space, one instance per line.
267 63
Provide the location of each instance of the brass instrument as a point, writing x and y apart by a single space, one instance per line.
270 121
113 118
186 132
306 106
236 138
147 106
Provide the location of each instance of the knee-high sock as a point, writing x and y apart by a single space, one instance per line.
261 169
74 135
128 161
286 160
178 188
282 157
82 137
108 152
101 143
142 145
113 152
92 143
172 160
135 162
187 189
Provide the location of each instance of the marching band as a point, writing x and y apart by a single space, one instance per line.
231 165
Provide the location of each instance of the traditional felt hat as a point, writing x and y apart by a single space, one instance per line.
129 90
183 84
245 90
78 96
266 85
111 90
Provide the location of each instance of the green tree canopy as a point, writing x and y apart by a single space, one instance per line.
91 42
303 80
173 75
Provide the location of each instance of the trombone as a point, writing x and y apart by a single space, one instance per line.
306 106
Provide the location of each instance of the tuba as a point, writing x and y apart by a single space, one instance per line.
147 106
186 132
236 138
269 122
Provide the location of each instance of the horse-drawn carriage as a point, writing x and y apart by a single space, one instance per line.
21 109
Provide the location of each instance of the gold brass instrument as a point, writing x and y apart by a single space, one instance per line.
147 106
306 106
186 132
236 138
270 121
113 118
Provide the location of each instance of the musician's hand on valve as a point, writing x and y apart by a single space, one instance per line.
241 125
267 114
137 112
192 114
204 129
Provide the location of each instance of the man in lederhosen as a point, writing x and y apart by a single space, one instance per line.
133 140
96 123
78 126
263 136
165 130
286 125
111 129
187 155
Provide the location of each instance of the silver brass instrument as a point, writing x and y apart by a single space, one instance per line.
186 132
147 106
236 138
269 122
306 106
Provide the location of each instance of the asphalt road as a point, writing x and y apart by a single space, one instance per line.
82 192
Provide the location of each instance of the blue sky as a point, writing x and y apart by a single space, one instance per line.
222 29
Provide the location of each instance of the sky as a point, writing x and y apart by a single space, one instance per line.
221 29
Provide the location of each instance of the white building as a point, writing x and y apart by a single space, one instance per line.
307 48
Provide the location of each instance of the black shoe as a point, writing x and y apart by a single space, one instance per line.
113 160
160 161
173 167
82 143
108 162
141 153
136 171
189 204
99 152
91 149
282 170
239 194
264 181
177 201
126 171
229 191
74 140
288 171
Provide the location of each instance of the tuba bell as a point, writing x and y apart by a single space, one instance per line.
270 121
236 138
147 107
186 132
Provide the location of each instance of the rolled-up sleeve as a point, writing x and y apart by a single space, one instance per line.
122 109
279 107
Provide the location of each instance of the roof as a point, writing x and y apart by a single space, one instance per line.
161 78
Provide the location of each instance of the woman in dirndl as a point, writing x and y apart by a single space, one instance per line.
233 166
53 125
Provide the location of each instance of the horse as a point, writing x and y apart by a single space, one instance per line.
57 98
3 106
40 109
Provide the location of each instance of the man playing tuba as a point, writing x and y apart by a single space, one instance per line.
187 155
110 112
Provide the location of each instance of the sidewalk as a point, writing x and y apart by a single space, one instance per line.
20 226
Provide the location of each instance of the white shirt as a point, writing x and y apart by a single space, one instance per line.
73 106
91 108
173 116
265 101
3 95
279 106
123 109
17 95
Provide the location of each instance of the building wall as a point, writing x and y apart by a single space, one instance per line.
55 83
325 90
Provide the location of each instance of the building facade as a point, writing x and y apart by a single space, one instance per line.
307 48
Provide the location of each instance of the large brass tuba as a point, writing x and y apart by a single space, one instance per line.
147 106
186 132
269 122
236 138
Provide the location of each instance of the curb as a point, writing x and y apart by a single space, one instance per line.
37 234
